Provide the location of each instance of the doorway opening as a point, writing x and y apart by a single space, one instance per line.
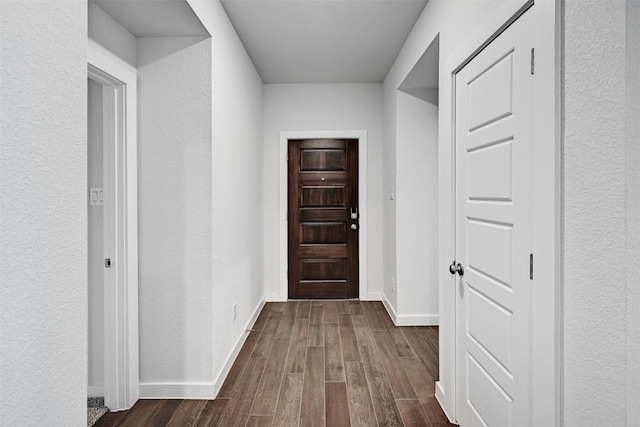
112 232
415 283
361 137
323 215
96 231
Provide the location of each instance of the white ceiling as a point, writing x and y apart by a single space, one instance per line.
323 41
154 18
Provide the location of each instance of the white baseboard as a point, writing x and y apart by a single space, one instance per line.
275 298
199 390
390 310
177 391
410 319
440 399
222 375
372 296
418 320
95 391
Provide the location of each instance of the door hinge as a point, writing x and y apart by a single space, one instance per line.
107 263
533 61
530 266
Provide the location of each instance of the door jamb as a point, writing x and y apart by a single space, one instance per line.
361 136
118 78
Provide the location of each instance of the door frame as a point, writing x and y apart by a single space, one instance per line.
361 136
546 215
121 358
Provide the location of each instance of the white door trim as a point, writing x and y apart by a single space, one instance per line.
361 136
546 293
121 377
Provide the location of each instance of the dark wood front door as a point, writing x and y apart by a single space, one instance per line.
323 218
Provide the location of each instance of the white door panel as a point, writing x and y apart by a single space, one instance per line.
490 84
489 172
493 231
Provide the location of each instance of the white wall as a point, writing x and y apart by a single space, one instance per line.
43 213
96 243
174 206
236 185
389 214
633 210
594 213
111 35
307 107
416 211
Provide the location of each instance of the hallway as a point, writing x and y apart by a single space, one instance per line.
310 361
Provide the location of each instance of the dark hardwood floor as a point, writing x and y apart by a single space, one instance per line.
316 363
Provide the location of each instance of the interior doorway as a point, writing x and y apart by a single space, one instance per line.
112 231
96 231
416 201
493 230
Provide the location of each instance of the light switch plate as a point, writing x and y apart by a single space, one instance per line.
96 196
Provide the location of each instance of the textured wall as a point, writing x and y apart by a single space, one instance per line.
302 107
43 213
633 211
236 183
594 213
417 209
174 205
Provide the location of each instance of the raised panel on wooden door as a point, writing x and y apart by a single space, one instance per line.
321 196
323 160
492 226
323 232
323 269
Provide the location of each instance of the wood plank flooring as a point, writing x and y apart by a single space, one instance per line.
315 363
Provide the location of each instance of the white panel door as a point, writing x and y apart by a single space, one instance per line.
493 229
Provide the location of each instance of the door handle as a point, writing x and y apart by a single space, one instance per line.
456 268
452 267
354 226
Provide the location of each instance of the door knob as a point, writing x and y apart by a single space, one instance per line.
452 267
354 226
456 268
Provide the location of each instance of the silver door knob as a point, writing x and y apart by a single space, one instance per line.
354 226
